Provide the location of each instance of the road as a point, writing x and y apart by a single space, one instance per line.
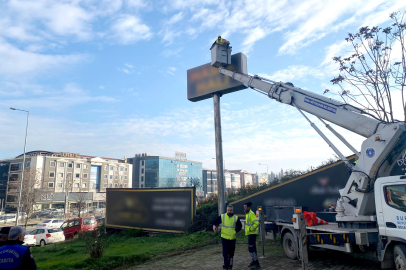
211 258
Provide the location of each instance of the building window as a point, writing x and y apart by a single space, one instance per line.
125 185
76 185
111 168
111 185
125 169
15 167
28 164
105 185
77 175
85 175
121 177
60 185
60 175
52 164
142 170
51 174
116 168
121 169
142 178
142 163
115 176
115 185
105 167
50 185
142 185
78 166
105 176
61 164
13 177
68 175
125 177
111 177
84 185
70 165
85 166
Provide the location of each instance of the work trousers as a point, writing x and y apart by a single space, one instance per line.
252 246
228 252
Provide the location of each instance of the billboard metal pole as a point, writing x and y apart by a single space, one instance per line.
219 154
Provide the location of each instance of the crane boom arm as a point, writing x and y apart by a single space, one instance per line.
336 112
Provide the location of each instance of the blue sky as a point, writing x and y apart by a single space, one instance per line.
108 78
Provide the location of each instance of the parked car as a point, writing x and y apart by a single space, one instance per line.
29 240
50 223
101 220
47 236
11 217
55 214
97 211
72 227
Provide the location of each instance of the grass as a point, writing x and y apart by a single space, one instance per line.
122 251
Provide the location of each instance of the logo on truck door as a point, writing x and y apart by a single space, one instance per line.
370 152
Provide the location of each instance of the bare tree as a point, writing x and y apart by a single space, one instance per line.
80 200
375 68
31 191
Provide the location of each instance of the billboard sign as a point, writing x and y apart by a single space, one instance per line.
203 81
315 190
150 209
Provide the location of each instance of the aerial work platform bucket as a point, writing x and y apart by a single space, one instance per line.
220 55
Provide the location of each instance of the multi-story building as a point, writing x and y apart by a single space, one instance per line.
209 182
159 171
60 175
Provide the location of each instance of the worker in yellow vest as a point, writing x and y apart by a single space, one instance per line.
231 225
251 230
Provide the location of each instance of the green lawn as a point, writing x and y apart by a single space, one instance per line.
123 251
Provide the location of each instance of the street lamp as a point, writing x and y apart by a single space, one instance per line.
267 175
22 172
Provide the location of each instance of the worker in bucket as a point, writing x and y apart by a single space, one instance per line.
231 225
251 230
221 41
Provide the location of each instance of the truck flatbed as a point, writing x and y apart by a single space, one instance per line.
331 228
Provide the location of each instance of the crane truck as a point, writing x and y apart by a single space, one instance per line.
371 210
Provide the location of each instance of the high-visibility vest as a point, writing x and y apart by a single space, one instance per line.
252 223
228 227
221 41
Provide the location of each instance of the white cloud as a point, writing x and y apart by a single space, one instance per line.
66 18
294 73
129 65
70 95
168 53
129 29
175 18
16 62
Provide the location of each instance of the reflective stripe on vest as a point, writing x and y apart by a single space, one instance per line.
228 229
250 224
221 41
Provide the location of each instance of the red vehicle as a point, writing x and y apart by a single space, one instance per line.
72 227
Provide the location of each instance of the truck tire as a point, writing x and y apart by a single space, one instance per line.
399 255
289 246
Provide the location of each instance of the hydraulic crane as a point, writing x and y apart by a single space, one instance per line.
383 145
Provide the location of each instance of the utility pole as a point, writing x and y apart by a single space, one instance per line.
219 154
22 169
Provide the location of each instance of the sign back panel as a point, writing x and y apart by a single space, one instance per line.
315 190
150 209
203 81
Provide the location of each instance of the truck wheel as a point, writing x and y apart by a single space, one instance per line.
289 246
399 255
